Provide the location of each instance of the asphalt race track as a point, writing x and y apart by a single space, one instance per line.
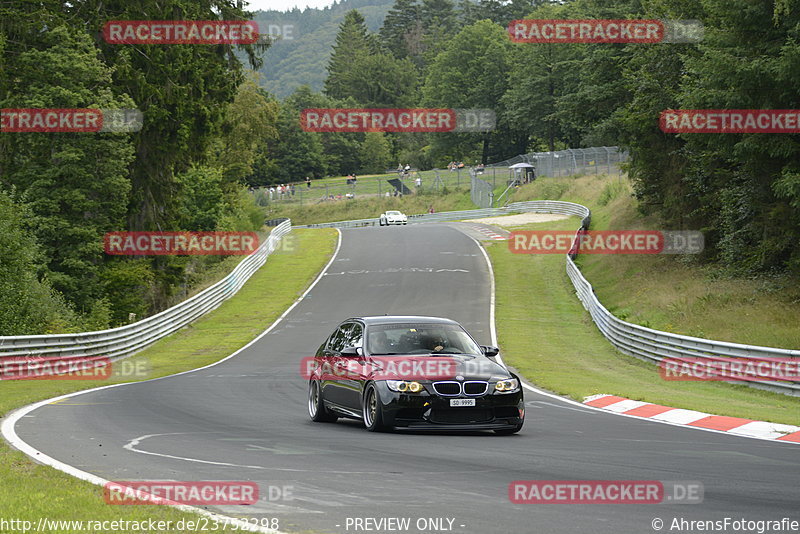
246 419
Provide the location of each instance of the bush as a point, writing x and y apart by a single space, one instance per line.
28 304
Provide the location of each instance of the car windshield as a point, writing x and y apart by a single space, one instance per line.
420 338
393 213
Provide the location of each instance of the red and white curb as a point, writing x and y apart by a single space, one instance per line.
488 232
691 418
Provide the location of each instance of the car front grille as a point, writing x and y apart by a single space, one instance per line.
447 388
461 416
475 387
450 388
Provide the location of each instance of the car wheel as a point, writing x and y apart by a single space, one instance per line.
316 407
508 431
373 413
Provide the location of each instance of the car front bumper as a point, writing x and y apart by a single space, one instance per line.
433 412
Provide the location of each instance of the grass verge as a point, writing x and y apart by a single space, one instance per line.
29 491
677 294
547 335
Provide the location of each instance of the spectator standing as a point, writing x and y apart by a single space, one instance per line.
272 192
308 182
291 189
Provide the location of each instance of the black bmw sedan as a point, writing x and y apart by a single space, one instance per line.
412 372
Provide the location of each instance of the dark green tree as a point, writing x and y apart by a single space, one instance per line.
352 42
479 53
397 31
182 91
75 184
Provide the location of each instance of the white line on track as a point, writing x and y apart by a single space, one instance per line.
132 446
10 433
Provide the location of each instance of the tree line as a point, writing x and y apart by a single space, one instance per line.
61 192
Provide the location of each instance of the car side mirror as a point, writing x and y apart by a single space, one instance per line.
490 351
351 352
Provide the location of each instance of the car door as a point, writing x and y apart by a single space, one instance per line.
353 383
332 387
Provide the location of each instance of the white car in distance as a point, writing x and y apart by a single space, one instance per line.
392 217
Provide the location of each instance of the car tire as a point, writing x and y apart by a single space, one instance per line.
508 431
372 414
316 406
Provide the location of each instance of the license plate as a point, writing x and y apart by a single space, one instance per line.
462 402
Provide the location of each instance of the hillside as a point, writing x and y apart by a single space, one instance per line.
290 63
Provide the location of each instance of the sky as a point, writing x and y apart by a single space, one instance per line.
285 5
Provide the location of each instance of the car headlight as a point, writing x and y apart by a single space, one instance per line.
507 386
404 386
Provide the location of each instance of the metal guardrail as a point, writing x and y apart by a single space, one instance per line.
639 341
125 340
635 340
655 345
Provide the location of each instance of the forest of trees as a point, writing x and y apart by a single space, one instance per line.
211 130
61 192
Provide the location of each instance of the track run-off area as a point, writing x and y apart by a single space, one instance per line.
245 419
